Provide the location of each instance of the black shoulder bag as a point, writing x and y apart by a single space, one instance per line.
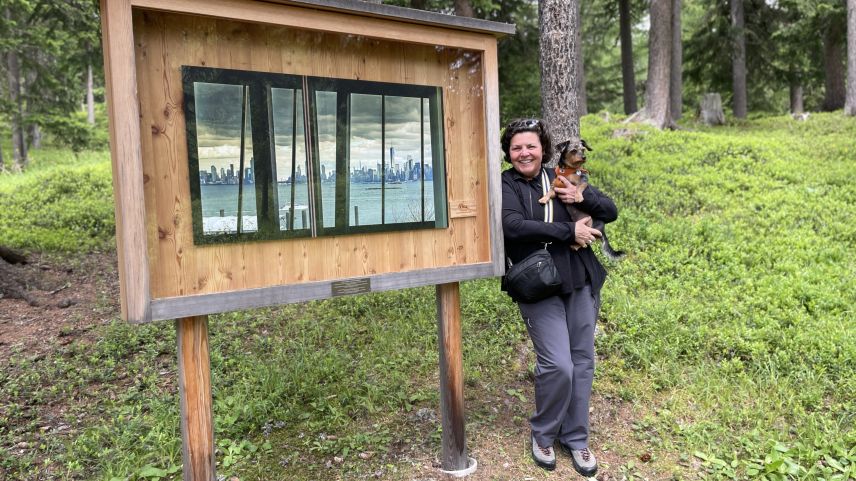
535 278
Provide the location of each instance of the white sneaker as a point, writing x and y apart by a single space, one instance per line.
544 457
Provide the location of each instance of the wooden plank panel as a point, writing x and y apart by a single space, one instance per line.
122 103
166 151
463 208
231 267
172 307
259 12
494 157
149 185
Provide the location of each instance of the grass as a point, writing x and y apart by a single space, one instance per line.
729 338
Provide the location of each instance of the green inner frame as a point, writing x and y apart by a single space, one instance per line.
257 88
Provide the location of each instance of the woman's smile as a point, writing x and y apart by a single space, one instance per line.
525 153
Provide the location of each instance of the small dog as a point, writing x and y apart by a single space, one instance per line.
572 156
571 160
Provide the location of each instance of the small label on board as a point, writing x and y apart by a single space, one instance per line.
351 286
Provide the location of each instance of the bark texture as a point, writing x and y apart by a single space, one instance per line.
34 133
657 100
13 75
581 78
463 8
833 67
738 59
90 96
676 83
850 102
710 110
559 22
797 99
628 74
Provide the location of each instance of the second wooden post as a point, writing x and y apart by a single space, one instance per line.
194 387
454 443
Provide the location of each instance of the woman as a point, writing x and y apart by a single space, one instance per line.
561 326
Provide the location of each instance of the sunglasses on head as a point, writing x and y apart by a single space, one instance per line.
529 123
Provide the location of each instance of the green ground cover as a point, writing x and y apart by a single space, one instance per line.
730 328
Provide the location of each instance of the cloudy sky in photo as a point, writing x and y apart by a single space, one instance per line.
218 113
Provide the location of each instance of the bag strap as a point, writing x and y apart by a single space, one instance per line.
545 187
548 208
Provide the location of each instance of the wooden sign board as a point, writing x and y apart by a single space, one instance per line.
274 152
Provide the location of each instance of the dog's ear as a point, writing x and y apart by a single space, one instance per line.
582 141
563 146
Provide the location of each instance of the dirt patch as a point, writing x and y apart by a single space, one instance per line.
72 294
500 445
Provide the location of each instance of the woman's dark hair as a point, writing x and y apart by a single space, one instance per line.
528 125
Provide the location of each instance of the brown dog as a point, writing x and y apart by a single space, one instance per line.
572 156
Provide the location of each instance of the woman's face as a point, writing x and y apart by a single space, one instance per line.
525 152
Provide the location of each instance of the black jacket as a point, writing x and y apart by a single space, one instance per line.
525 231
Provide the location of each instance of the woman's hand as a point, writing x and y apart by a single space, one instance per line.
584 235
568 193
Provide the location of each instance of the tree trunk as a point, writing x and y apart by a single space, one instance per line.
419 4
19 144
628 74
579 59
560 96
710 110
13 74
657 101
90 96
676 84
2 164
796 98
850 102
738 59
581 87
463 8
35 136
833 68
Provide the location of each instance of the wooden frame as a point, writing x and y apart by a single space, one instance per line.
150 231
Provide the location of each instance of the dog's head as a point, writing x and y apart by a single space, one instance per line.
573 152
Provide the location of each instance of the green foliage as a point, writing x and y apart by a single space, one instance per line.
74 131
728 331
64 207
735 302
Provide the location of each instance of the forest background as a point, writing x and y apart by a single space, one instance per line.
728 333
761 56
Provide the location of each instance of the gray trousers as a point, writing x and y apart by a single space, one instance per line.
562 332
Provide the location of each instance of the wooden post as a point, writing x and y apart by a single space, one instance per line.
453 442
194 387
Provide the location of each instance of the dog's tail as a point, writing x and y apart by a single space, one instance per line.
609 252
607 249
